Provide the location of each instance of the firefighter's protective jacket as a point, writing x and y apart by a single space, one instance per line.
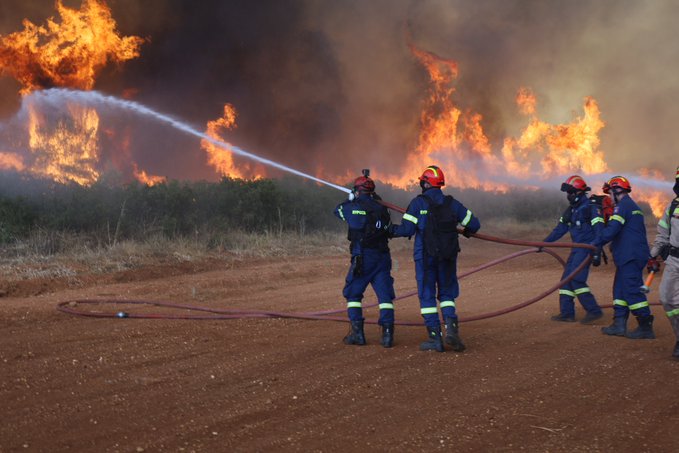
664 236
626 232
584 221
356 214
415 219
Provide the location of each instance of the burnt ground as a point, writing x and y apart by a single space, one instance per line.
525 383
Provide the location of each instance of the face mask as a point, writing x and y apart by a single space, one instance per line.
573 197
422 183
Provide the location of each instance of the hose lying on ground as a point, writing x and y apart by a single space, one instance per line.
71 307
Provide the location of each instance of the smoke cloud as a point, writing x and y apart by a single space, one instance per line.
332 85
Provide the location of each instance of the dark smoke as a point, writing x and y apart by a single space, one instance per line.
331 84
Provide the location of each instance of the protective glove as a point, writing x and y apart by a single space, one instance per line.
467 232
357 265
392 230
351 196
596 257
653 265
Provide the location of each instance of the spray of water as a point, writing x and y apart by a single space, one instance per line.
59 96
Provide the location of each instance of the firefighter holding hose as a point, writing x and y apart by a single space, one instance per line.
433 218
666 245
627 234
369 224
584 220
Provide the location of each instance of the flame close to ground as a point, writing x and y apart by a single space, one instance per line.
223 160
71 51
68 52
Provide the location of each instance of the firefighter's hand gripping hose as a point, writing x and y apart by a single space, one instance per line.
72 306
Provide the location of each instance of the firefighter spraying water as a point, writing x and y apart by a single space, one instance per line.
368 224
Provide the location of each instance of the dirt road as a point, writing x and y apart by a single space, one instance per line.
525 383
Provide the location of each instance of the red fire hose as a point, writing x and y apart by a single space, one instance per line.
71 307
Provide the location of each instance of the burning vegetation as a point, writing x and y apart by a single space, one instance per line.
72 49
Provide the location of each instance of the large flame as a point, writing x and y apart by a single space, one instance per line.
65 53
222 159
447 134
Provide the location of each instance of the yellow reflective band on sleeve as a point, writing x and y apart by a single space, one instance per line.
354 305
410 218
467 218
671 313
582 290
447 303
637 212
387 306
423 212
428 310
565 292
620 302
341 213
663 224
639 305
618 218
676 211
596 220
358 212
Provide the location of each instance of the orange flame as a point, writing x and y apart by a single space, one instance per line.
447 131
68 53
145 178
11 161
65 53
222 159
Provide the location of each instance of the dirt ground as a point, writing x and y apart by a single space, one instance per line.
525 383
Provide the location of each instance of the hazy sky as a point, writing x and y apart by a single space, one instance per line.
332 84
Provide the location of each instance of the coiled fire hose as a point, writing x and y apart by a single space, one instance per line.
72 306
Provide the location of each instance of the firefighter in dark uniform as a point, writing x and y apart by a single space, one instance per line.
368 223
627 234
433 271
584 220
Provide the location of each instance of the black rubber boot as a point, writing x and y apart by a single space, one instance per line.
355 335
618 328
645 329
563 318
591 317
675 353
435 340
387 335
453 335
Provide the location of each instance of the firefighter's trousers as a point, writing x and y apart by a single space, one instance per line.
376 271
669 292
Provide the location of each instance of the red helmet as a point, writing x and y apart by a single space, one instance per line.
364 184
617 183
574 184
677 173
434 176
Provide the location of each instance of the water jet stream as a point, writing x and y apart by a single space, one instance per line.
57 96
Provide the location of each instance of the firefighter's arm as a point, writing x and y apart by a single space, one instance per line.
662 237
597 221
557 233
340 211
615 224
468 220
408 225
